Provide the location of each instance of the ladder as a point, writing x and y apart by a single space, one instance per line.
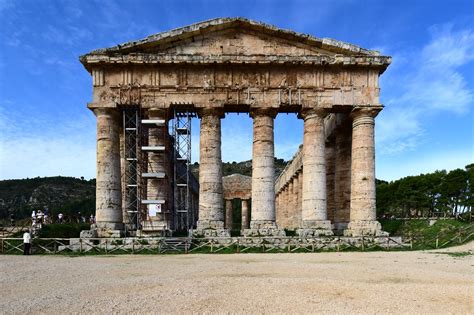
184 214
131 180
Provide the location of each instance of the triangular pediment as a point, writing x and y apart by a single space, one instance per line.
234 36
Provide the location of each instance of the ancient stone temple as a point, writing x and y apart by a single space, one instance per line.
233 65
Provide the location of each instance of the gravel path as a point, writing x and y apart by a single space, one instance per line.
368 283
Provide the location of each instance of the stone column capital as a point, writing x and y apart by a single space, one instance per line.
312 112
358 112
99 111
272 112
211 111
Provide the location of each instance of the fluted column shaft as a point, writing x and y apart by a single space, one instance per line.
342 184
362 209
294 203
211 204
263 179
363 168
330 170
314 166
314 208
108 180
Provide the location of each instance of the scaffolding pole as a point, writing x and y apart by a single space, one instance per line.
184 214
132 178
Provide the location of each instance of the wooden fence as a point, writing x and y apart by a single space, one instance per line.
164 245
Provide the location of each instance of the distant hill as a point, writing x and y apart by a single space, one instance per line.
244 168
66 194
70 195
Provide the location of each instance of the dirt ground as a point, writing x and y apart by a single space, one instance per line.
368 283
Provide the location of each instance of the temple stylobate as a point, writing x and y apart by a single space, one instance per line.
230 65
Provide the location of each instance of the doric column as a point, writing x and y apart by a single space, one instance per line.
228 214
211 202
362 209
314 214
300 199
245 214
330 170
294 203
278 209
263 174
108 180
158 163
342 175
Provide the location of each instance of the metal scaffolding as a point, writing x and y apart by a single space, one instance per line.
138 169
132 139
184 218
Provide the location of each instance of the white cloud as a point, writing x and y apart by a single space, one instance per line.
432 83
33 145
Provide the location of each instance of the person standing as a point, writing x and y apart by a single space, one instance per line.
26 243
60 218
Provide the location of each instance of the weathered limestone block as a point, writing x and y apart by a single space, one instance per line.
108 182
92 233
363 216
211 202
314 214
237 186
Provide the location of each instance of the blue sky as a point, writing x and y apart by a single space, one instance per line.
428 91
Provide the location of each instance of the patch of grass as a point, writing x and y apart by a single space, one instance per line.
391 226
459 254
456 254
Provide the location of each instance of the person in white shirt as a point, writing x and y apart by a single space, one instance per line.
26 243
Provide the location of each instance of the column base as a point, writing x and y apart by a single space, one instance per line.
210 229
263 228
364 228
311 228
152 228
104 229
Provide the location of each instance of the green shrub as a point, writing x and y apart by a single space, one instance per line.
63 230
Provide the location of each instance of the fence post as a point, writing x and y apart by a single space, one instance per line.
212 245
238 245
363 248
338 244
106 246
80 245
437 241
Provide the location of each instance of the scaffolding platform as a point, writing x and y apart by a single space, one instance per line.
154 175
153 202
157 148
153 122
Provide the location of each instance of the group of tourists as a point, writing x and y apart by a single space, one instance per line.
40 217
